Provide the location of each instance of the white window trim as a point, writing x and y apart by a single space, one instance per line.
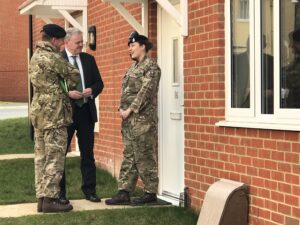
282 119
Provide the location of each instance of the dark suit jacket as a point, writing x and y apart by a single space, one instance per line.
92 79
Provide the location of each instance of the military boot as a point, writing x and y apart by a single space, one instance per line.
122 198
63 199
146 198
51 205
40 204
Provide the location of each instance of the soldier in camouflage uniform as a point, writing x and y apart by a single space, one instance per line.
292 72
50 114
138 110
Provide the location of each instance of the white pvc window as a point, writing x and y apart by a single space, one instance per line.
244 9
263 65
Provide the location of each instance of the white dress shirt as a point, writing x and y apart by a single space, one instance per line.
71 60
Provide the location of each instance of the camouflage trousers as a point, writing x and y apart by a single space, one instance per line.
139 160
50 149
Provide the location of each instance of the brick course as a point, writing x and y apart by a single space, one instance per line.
266 160
13 54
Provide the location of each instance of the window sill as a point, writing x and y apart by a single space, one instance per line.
259 125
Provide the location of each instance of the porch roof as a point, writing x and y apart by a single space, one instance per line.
57 9
50 8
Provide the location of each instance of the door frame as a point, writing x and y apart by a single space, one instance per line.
160 109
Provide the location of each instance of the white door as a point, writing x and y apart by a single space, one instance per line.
171 142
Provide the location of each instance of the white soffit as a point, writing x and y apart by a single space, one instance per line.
57 9
181 17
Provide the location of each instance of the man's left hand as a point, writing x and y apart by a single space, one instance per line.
87 92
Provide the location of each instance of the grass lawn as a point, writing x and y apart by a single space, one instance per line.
17 181
136 216
14 136
17 186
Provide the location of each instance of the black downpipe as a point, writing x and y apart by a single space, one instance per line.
30 88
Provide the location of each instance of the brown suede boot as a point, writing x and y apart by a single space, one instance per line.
40 204
51 205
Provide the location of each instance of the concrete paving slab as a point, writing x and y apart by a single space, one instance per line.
18 210
13 105
9 110
16 156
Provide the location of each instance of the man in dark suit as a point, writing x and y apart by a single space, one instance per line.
84 112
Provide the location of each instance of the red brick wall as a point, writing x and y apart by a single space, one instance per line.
13 54
267 161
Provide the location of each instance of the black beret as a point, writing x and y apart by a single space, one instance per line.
136 37
53 30
296 35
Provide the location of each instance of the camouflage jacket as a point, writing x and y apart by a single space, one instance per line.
139 92
50 107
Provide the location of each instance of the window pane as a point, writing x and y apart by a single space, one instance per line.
267 58
240 70
244 9
175 61
290 51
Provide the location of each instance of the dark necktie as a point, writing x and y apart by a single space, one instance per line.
79 88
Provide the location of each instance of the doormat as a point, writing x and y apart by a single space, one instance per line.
158 202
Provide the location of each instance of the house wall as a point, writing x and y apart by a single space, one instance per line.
266 160
13 54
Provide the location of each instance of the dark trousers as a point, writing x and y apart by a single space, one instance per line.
84 127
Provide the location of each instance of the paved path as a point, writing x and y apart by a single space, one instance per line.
16 156
10 110
18 210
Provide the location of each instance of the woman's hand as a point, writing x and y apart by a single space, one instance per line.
124 114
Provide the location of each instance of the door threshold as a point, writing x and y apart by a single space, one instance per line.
169 199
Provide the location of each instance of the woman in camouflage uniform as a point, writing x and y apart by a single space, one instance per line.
138 110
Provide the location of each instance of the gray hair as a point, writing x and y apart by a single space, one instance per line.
71 31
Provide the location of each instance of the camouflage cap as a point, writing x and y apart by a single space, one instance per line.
53 30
